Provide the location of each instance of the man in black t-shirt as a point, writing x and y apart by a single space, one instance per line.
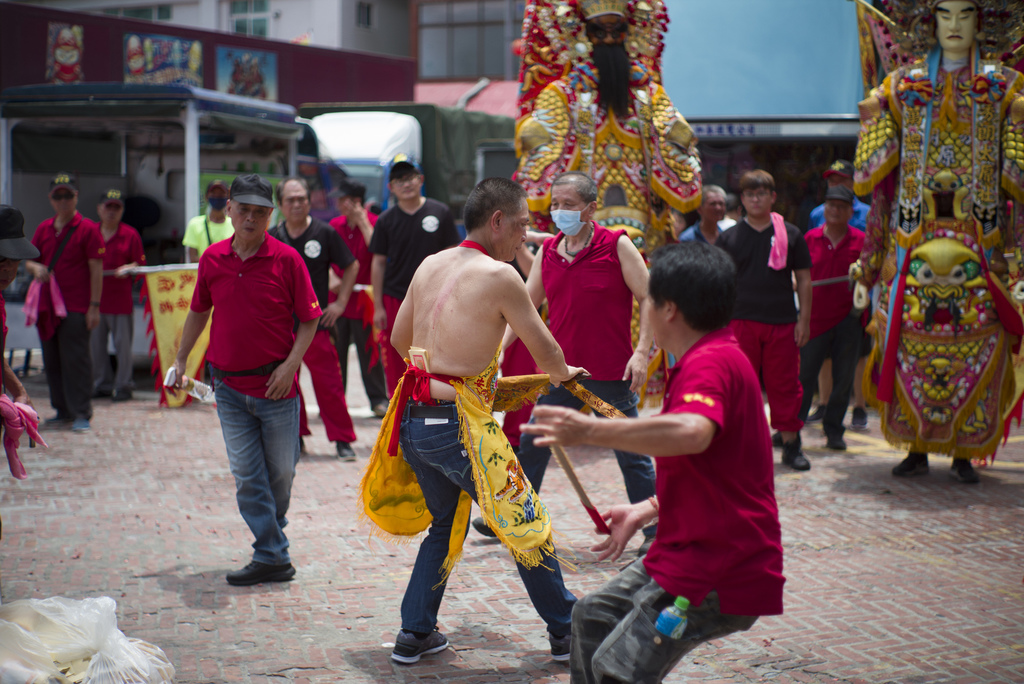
319 245
406 234
765 320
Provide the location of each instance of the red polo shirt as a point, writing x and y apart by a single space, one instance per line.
124 247
72 269
830 304
353 239
253 304
718 525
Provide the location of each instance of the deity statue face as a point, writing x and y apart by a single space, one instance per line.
956 26
607 29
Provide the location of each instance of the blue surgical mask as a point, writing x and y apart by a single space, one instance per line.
217 203
567 221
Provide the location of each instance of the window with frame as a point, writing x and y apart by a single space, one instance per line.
250 17
364 15
155 13
464 39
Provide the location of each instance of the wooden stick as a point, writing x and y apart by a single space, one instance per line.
570 472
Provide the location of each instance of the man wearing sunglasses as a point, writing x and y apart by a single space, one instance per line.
123 252
71 250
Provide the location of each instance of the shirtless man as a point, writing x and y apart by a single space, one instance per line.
458 305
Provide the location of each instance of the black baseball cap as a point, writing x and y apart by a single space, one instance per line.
252 189
217 183
840 192
62 180
402 169
841 167
13 244
112 195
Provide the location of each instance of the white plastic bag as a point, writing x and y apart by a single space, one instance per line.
76 631
23 658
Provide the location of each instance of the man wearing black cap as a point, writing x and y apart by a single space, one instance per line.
404 236
836 329
355 325
14 248
257 287
208 228
841 173
123 252
71 249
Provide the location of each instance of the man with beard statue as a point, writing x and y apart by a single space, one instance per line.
590 100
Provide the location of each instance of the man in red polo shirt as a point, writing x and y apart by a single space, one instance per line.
123 253
355 325
257 287
836 329
71 249
718 543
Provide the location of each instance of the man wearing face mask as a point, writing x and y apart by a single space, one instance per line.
590 276
214 226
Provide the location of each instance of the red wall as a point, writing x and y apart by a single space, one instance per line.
304 74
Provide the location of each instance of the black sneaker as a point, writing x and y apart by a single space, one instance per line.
816 415
915 463
345 452
256 572
859 421
963 471
793 456
409 648
836 443
481 526
560 647
380 409
121 395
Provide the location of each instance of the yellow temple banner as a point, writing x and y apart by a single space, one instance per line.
168 295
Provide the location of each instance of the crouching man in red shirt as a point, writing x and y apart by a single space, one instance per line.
719 543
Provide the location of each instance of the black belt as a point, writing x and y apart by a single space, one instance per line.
445 410
265 369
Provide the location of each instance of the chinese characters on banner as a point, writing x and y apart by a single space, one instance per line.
169 294
64 46
162 60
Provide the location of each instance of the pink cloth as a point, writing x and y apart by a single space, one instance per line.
780 246
17 419
44 310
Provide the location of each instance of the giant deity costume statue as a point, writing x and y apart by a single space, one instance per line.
591 100
942 150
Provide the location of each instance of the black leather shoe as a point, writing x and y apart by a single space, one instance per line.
963 471
793 456
915 463
481 526
836 443
345 451
256 572
121 395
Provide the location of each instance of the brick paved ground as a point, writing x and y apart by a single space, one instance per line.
888 580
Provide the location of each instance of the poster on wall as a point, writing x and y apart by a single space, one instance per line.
64 45
251 73
162 60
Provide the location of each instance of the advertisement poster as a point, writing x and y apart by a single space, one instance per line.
162 60
64 45
251 73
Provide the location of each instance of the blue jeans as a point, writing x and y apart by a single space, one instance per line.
637 470
436 455
842 344
262 441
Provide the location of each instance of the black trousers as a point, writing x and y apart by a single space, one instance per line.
351 330
68 366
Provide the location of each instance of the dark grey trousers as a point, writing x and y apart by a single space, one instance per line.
613 634
69 368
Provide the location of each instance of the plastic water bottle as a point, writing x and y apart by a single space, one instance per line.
199 390
672 621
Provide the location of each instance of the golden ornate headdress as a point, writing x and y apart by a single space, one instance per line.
595 8
1000 25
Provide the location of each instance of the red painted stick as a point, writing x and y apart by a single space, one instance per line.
570 472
